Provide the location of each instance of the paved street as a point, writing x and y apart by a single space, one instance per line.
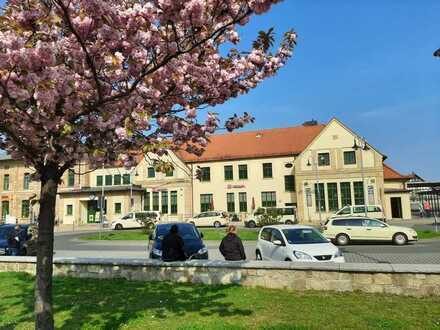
422 252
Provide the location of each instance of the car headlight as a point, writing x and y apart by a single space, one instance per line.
302 256
203 250
157 252
338 254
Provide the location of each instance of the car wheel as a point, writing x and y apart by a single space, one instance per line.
289 222
217 224
252 224
400 239
258 255
342 239
118 226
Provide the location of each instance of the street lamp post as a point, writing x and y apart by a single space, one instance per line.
362 145
131 187
313 163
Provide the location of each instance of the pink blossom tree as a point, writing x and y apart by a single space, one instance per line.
102 80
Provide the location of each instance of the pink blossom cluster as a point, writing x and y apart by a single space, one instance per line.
101 79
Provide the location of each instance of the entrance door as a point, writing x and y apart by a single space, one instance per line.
92 207
396 207
5 209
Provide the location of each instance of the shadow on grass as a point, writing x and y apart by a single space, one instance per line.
108 304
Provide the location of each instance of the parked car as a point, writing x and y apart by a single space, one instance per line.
210 219
344 230
373 211
286 215
5 230
192 239
136 220
295 243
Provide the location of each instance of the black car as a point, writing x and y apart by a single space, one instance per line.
5 230
192 239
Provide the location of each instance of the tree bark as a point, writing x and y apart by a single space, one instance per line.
43 286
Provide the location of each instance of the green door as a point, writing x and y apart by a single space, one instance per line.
92 207
5 209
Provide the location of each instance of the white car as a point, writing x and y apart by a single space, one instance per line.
295 243
210 219
135 220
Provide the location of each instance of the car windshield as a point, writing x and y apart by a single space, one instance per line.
128 216
303 236
186 231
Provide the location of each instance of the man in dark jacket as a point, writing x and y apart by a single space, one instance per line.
172 246
231 246
14 241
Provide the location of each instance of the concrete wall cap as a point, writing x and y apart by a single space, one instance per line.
314 266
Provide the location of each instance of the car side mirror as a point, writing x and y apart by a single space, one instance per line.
277 242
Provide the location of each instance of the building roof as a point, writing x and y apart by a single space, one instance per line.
391 174
256 144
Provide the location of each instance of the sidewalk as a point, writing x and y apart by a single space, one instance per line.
78 228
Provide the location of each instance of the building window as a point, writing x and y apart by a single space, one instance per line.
230 202
164 202
118 208
5 209
358 188
267 170
242 200
155 201
173 200
320 196
206 202
126 178
117 179
206 174
71 178
242 172
289 182
332 194
268 199
25 206
147 203
26 181
345 193
99 180
324 159
169 173
229 172
6 182
349 158
108 180
151 173
69 209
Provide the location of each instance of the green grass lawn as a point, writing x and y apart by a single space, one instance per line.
425 234
209 234
119 304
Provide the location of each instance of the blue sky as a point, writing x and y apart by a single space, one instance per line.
368 63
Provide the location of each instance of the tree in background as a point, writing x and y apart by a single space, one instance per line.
102 80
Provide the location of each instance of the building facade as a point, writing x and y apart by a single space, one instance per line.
313 168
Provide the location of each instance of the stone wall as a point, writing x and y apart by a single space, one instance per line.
411 280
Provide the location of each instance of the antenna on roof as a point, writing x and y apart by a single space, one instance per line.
312 122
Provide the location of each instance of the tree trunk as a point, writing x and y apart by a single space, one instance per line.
43 286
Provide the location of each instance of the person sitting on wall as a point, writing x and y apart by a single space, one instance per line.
172 246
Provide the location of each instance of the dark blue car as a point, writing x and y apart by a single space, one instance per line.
5 230
192 239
